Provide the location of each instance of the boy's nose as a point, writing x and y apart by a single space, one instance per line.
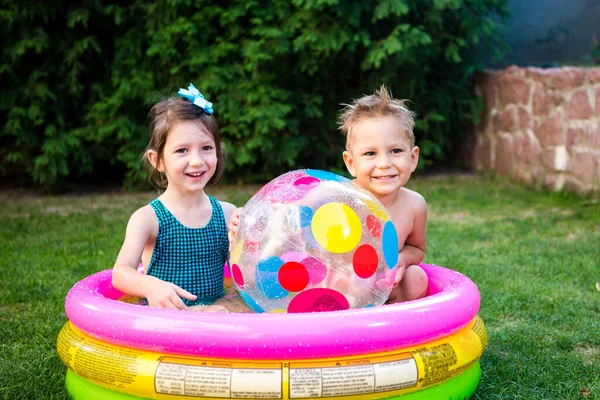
383 161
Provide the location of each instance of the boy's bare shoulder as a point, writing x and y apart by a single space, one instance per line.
414 199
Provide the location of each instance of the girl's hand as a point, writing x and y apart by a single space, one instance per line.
234 225
163 294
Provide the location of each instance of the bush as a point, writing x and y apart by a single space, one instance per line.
80 78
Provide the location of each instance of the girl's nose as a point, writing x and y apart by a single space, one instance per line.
196 159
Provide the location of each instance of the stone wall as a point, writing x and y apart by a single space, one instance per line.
540 126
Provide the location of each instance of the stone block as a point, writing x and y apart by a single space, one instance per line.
566 78
544 100
528 150
547 158
525 119
506 121
585 166
485 154
541 100
593 75
580 106
504 159
561 158
550 130
578 137
513 89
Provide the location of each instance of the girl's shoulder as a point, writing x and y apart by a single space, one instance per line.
228 209
144 219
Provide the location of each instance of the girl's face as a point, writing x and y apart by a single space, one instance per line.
189 158
380 155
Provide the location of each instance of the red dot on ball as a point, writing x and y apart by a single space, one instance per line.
237 276
293 276
365 261
373 225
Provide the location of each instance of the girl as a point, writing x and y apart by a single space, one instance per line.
181 236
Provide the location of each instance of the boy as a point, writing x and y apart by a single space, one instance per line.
381 155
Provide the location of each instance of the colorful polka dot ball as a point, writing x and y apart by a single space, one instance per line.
311 241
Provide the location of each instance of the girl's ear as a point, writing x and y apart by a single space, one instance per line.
349 161
154 160
414 158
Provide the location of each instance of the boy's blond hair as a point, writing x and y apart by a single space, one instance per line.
379 104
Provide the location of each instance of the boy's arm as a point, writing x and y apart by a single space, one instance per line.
141 227
415 245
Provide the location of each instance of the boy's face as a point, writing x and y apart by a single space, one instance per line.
380 155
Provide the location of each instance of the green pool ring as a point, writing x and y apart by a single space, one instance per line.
458 388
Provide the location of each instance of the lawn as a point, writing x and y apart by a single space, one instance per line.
535 257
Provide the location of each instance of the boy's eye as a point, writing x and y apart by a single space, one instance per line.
396 151
370 153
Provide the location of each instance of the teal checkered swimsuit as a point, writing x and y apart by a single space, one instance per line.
191 258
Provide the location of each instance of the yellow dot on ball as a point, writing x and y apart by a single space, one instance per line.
276 311
236 252
377 210
336 227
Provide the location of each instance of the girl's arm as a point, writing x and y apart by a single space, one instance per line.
232 219
228 210
141 229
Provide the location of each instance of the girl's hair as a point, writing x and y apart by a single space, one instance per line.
163 116
379 104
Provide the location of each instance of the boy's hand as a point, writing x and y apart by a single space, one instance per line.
399 275
234 225
163 294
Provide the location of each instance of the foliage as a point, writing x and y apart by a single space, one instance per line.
79 77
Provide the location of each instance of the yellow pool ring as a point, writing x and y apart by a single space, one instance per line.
182 377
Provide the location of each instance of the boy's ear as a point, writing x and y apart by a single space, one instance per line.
414 158
349 161
154 160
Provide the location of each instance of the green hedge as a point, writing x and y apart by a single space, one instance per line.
79 78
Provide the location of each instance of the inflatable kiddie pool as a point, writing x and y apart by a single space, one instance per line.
423 349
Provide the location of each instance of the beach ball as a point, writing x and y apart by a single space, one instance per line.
311 240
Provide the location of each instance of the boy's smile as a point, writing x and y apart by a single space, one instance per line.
380 155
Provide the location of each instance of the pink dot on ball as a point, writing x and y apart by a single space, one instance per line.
374 226
306 183
293 276
317 270
365 261
251 246
238 278
318 300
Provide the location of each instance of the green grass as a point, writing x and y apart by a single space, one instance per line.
534 255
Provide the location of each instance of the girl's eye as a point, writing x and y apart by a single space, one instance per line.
207 148
182 151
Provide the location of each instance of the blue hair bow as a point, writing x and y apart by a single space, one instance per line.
194 95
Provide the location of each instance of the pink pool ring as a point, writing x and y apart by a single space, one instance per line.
452 302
